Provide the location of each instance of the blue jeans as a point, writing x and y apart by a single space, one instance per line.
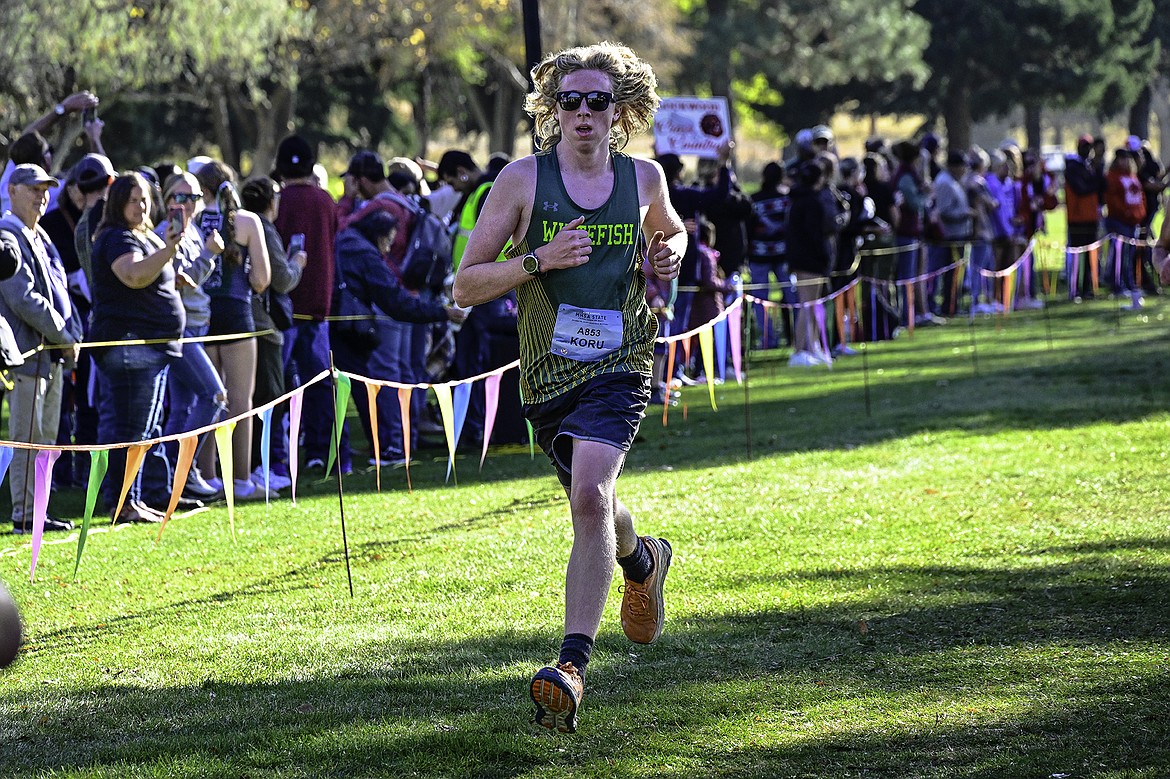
195 391
385 362
306 353
761 273
1122 278
133 383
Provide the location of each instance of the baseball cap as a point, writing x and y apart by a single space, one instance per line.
367 165
30 175
822 133
295 158
92 172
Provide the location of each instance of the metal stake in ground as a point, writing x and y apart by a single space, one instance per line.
1048 325
974 352
338 418
865 375
745 357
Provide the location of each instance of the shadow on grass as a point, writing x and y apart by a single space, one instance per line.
969 671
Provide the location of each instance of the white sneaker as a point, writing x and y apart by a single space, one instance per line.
804 360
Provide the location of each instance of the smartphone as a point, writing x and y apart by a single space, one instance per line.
178 217
89 115
296 243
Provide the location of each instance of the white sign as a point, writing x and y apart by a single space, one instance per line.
691 125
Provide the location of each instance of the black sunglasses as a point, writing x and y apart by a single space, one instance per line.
187 197
597 101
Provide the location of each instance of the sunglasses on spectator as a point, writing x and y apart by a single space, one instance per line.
597 101
187 197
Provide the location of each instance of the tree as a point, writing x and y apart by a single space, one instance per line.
761 52
991 56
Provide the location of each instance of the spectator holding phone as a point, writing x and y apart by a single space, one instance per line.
135 301
240 270
197 394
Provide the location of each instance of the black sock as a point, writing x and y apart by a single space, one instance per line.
576 649
638 564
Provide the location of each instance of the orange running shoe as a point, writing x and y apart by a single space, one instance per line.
557 693
642 609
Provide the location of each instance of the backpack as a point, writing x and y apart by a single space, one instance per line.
427 260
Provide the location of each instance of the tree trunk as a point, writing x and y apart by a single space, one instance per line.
722 70
221 123
422 110
1032 130
1160 95
957 116
271 126
1139 113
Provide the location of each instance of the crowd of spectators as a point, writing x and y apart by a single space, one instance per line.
935 224
166 298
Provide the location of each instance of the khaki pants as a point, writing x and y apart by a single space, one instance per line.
34 414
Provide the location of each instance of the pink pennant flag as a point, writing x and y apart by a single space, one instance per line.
372 403
404 409
735 333
294 438
42 483
182 468
134 457
491 402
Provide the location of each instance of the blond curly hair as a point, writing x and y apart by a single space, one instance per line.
634 90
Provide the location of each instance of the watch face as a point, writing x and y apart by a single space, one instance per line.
531 264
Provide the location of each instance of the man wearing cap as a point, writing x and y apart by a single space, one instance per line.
309 211
35 302
1084 187
87 181
365 180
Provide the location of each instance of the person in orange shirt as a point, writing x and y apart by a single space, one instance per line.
1083 186
1125 208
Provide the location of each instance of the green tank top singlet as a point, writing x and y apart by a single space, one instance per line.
596 311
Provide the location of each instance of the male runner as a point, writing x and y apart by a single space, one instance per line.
579 214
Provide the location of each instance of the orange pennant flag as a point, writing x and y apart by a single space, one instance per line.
182 468
372 403
134 457
404 408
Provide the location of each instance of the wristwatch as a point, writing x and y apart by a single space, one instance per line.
59 109
531 264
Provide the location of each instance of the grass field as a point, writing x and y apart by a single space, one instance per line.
971 579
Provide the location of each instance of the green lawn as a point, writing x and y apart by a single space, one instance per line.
971 580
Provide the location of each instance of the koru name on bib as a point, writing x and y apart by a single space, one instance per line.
586 334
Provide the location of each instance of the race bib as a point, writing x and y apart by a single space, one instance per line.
586 334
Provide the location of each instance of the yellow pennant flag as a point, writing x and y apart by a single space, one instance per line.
446 410
134 457
223 445
707 350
